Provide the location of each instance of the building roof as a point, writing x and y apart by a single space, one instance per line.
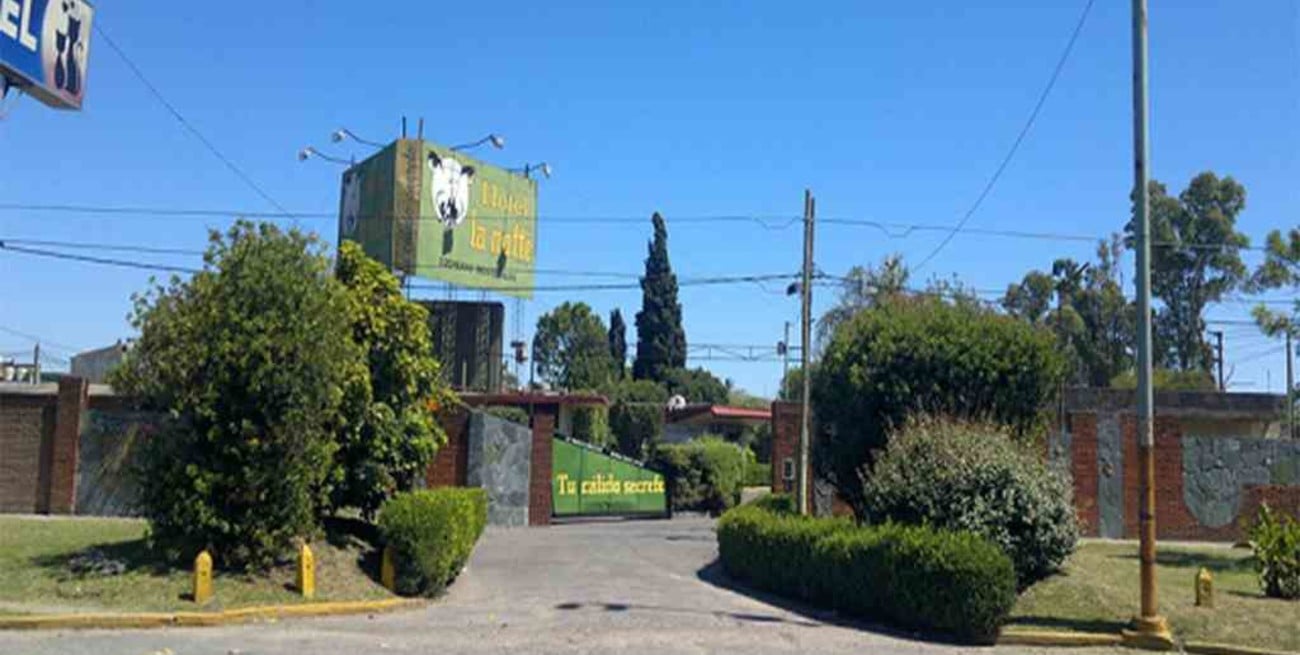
706 413
525 398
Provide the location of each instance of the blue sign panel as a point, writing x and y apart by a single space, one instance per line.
44 48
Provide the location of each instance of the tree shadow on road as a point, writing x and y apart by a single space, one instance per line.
640 607
714 575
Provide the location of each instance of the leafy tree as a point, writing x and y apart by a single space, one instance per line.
618 343
696 385
924 357
740 398
389 433
660 337
792 384
250 358
570 348
636 415
1280 270
1163 379
1194 261
1091 319
862 288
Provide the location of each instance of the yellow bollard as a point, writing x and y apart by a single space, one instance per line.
388 571
203 578
1204 588
306 571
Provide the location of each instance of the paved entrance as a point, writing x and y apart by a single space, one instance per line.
607 587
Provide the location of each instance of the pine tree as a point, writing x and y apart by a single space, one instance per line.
660 339
618 342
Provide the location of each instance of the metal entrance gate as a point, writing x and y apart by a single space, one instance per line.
586 481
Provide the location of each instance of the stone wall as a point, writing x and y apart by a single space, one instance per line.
500 461
108 458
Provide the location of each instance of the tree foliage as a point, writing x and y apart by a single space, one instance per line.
1195 262
389 432
618 343
918 357
250 358
861 288
696 385
1084 306
571 348
636 415
660 337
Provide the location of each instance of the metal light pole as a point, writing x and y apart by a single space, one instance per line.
1148 628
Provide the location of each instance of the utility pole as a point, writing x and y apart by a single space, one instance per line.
1290 386
1148 628
1218 338
36 364
805 329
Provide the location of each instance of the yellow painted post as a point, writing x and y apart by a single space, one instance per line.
388 570
203 578
306 571
1204 588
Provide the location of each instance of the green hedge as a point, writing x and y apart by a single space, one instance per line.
775 503
432 533
757 474
914 577
705 474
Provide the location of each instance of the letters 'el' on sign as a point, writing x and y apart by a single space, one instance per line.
45 47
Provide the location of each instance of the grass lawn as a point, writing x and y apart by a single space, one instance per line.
34 553
1098 591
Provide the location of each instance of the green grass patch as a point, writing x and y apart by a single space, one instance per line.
35 551
1098 591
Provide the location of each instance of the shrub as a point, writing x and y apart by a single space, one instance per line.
636 417
960 476
912 576
920 356
757 474
250 357
432 533
508 413
591 424
774 503
705 474
389 432
1275 540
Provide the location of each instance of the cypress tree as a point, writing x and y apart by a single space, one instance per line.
618 342
660 338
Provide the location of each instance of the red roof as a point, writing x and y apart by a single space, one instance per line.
722 411
705 413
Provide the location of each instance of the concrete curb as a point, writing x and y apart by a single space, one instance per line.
1207 648
202 619
1063 639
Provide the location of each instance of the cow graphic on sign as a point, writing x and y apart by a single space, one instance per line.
449 188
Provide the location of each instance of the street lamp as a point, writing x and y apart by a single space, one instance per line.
342 134
496 140
309 152
528 169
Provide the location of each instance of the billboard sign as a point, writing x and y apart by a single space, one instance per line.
586 481
44 48
435 213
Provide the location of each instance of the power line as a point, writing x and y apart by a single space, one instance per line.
180 118
685 282
904 230
35 339
97 260
82 245
1015 146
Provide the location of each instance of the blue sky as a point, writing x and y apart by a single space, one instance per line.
894 112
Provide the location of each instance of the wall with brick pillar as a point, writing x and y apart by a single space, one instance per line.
73 400
1217 460
545 418
785 443
26 437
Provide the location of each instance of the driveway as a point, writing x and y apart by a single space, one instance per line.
602 587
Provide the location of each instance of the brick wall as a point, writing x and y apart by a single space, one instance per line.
449 465
26 435
1231 489
785 442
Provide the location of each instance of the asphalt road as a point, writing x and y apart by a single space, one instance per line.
609 587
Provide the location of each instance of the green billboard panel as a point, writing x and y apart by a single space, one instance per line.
432 212
586 481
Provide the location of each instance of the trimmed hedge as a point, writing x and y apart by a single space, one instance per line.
706 473
916 577
775 503
432 533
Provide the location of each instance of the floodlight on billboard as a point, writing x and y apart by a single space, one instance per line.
44 48
434 212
